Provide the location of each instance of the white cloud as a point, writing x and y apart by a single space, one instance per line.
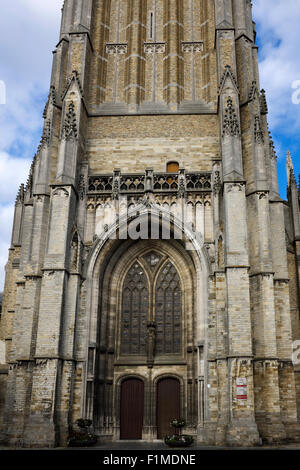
6 220
29 33
26 60
278 24
13 172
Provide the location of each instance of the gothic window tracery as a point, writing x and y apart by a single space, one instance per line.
154 299
152 259
168 311
134 311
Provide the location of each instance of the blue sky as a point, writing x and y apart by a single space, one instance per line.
29 32
279 43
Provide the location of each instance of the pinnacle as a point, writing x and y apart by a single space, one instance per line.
20 195
290 169
263 102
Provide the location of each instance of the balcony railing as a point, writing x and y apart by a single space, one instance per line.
137 183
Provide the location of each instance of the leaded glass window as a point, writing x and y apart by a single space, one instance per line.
134 311
152 259
166 298
168 311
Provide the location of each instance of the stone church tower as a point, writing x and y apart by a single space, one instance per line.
153 270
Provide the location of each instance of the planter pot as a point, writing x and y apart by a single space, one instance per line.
83 441
179 441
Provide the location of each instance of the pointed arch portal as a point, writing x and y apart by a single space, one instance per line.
149 301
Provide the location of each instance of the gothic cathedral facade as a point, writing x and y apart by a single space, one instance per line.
153 271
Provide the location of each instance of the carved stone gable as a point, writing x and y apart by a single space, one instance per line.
73 78
228 74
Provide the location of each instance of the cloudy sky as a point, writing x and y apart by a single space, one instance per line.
29 33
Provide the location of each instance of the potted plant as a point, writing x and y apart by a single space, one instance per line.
82 436
178 423
178 439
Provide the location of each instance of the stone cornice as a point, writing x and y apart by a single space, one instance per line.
88 35
60 41
262 273
243 35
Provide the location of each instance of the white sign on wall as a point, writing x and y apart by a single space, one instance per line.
2 352
241 388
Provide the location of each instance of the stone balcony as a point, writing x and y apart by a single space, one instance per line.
181 183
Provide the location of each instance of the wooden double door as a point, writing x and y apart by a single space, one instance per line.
132 407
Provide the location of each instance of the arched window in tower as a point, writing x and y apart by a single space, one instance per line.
168 311
134 311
